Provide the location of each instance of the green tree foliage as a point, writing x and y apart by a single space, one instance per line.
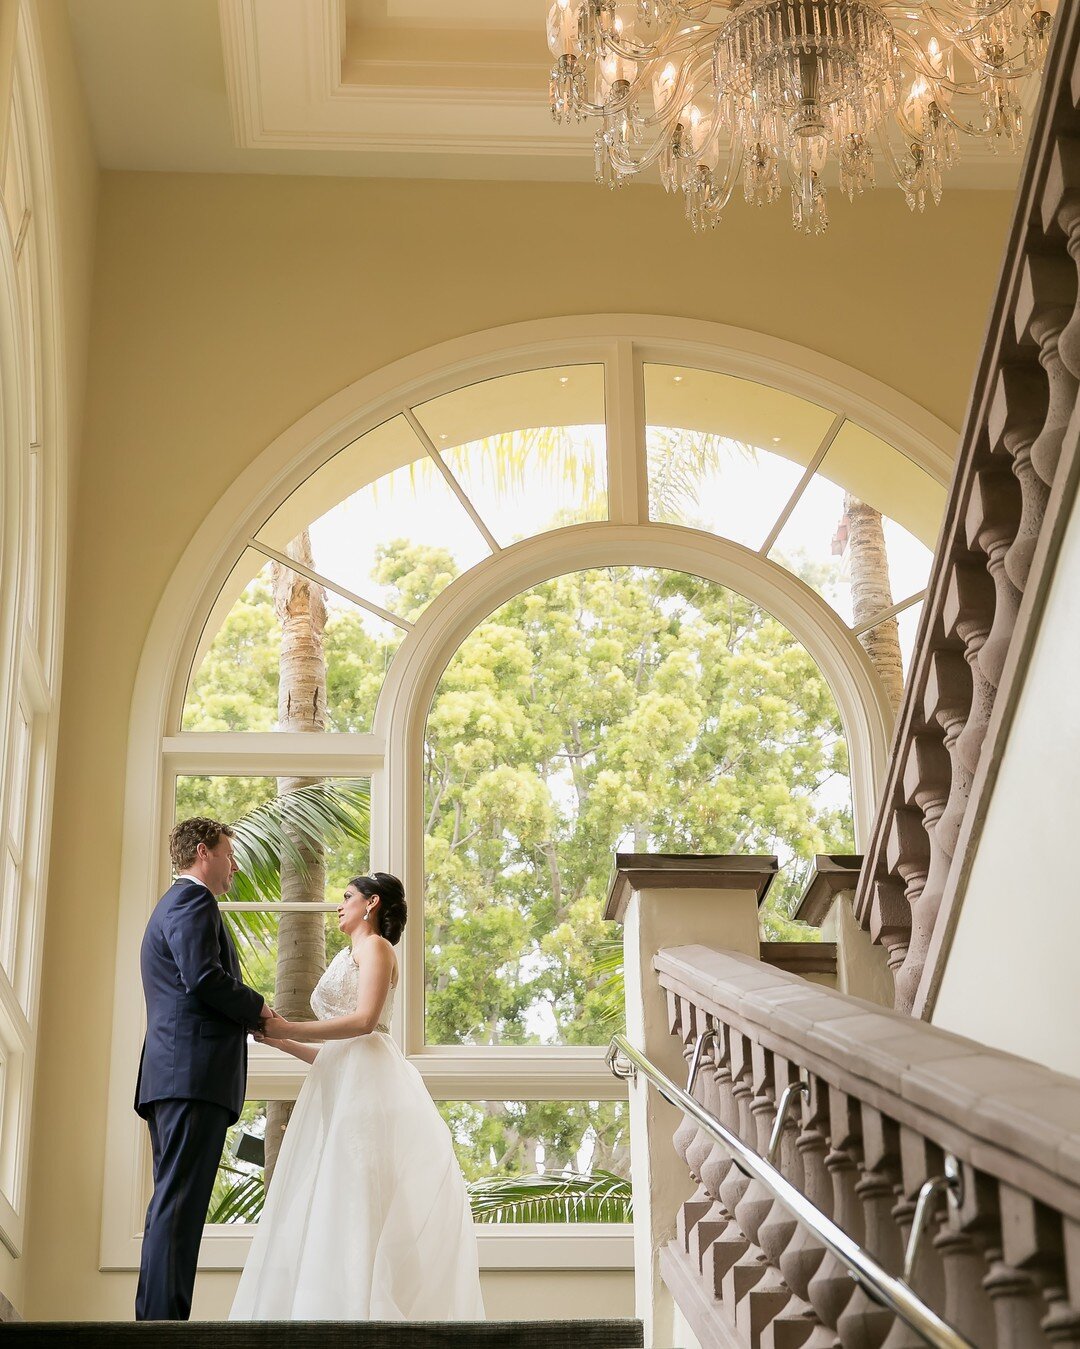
624 708
617 708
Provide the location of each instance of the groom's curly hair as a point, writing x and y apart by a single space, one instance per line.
188 834
392 913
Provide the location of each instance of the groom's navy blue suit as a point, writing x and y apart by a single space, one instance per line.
192 1077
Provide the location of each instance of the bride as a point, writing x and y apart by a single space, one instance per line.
367 1216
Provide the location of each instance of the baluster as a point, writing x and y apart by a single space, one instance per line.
966 1305
688 1137
1044 303
832 1287
993 514
766 1292
798 1323
865 1324
1061 1324
890 921
732 1244
796 1320
1061 207
681 1022
947 700
1014 1294
920 1161
907 852
1016 416
926 784
718 1163
969 604
1033 1247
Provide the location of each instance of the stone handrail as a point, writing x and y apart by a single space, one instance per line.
887 1098
1015 481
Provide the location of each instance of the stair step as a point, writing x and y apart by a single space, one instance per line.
325 1334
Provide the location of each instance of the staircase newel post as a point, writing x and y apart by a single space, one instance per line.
667 901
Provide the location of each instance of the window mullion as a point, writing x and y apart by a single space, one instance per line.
628 489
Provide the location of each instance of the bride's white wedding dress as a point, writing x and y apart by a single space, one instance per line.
367 1217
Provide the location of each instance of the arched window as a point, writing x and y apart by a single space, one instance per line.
31 584
659 544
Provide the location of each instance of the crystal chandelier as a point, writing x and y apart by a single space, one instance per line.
765 91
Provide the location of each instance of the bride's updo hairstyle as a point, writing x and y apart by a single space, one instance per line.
392 913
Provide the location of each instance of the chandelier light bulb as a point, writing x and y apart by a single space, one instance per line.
792 92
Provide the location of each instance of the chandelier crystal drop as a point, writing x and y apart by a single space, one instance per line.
792 93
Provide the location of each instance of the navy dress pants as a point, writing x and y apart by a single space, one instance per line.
187 1138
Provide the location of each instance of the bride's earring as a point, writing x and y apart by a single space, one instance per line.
367 916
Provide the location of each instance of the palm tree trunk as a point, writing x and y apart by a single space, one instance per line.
301 959
871 592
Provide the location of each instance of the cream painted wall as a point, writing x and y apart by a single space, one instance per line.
509 1295
1011 978
226 307
75 207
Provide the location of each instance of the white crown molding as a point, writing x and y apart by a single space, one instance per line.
294 84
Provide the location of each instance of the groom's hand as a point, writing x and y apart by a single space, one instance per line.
265 1014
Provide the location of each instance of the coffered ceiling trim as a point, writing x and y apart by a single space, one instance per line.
298 78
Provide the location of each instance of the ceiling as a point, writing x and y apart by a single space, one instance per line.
388 88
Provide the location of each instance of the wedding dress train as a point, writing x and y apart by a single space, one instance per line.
367 1216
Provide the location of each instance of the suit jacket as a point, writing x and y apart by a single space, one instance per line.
198 1011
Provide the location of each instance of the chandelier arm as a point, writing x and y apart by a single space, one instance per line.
904 176
697 9
980 13
675 40
626 164
673 105
963 36
720 196
914 56
912 135
968 128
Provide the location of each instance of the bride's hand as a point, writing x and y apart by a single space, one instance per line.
274 1028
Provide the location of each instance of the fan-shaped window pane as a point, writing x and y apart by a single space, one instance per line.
237 669
844 537
542 747
376 512
530 450
725 454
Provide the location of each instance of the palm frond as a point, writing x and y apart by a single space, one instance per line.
678 461
601 1197
241 1202
607 965
257 930
311 818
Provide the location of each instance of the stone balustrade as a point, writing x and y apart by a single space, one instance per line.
884 1100
1017 470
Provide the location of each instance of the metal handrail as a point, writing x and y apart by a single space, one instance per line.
875 1281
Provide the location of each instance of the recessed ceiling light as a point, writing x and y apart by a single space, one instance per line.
776 440
442 437
678 379
564 379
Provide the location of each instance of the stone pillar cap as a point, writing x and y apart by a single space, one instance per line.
833 873
686 871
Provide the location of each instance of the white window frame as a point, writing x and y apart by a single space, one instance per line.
391 755
33 426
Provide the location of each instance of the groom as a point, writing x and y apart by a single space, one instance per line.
193 1070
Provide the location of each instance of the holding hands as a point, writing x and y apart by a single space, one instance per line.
267 1017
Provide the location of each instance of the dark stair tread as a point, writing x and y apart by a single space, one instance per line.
584 1334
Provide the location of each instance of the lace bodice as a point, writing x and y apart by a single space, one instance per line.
336 992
